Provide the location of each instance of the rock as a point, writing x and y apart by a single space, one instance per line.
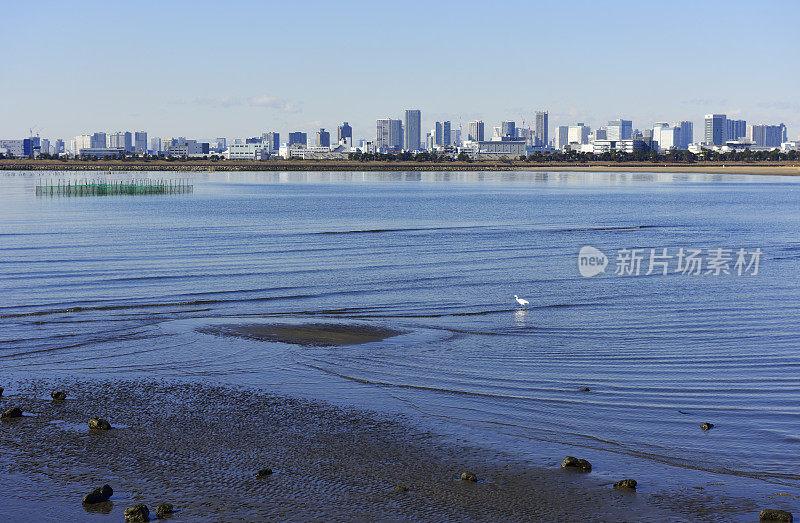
164 510
104 507
263 473
585 389
137 513
401 488
99 495
626 484
771 514
706 426
58 395
99 424
14 412
469 476
1 391
575 463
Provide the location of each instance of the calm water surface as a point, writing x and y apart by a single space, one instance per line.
119 286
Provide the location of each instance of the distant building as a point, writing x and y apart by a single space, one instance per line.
767 135
98 141
272 142
248 151
509 149
562 137
735 129
578 133
600 134
619 129
412 130
140 142
220 144
298 138
686 134
12 147
102 152
183 148
323 138
155 144
389 135
59 148
625 146
508 130
716 129
344 132
442 134
455 137
122 140
475 131
541 138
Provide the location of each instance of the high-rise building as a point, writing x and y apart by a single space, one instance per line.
323 138
686 133
562 137
389 135
541 137
735 129
298 138
59 146
455 137
344 132
508 130
601 134
766 135
619 129
475 131
716 129
155 144
578 133
98 141
412 132
140 142
442 134
271 141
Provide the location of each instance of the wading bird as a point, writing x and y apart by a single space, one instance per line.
521 301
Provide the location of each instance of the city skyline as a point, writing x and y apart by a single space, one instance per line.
93 70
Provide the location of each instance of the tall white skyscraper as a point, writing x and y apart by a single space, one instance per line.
412 132
716 129
389 135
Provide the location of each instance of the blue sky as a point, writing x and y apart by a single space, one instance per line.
206 69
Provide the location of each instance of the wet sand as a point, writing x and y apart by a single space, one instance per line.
307 334
199 448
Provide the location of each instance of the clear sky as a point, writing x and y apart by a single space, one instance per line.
239 68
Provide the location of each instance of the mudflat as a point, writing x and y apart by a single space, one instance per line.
307 334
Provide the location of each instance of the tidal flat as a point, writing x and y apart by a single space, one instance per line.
199 447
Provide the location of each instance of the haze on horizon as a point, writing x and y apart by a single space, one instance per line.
205 69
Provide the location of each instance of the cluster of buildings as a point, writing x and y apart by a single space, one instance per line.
506 140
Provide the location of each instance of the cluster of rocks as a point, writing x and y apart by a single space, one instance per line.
135 514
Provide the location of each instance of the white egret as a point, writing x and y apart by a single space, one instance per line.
521 301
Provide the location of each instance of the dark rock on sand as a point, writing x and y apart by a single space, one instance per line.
575 463
771 514
99 424
58 395
626 484
585 389
263 473
14 412
164 510
99 494
469 476
1 391
137 513
706 426
401 488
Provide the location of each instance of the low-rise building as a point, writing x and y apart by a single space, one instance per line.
11 147
624 146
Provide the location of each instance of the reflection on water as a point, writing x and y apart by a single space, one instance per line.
118 286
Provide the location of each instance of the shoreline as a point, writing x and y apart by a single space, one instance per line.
199 447
777 168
